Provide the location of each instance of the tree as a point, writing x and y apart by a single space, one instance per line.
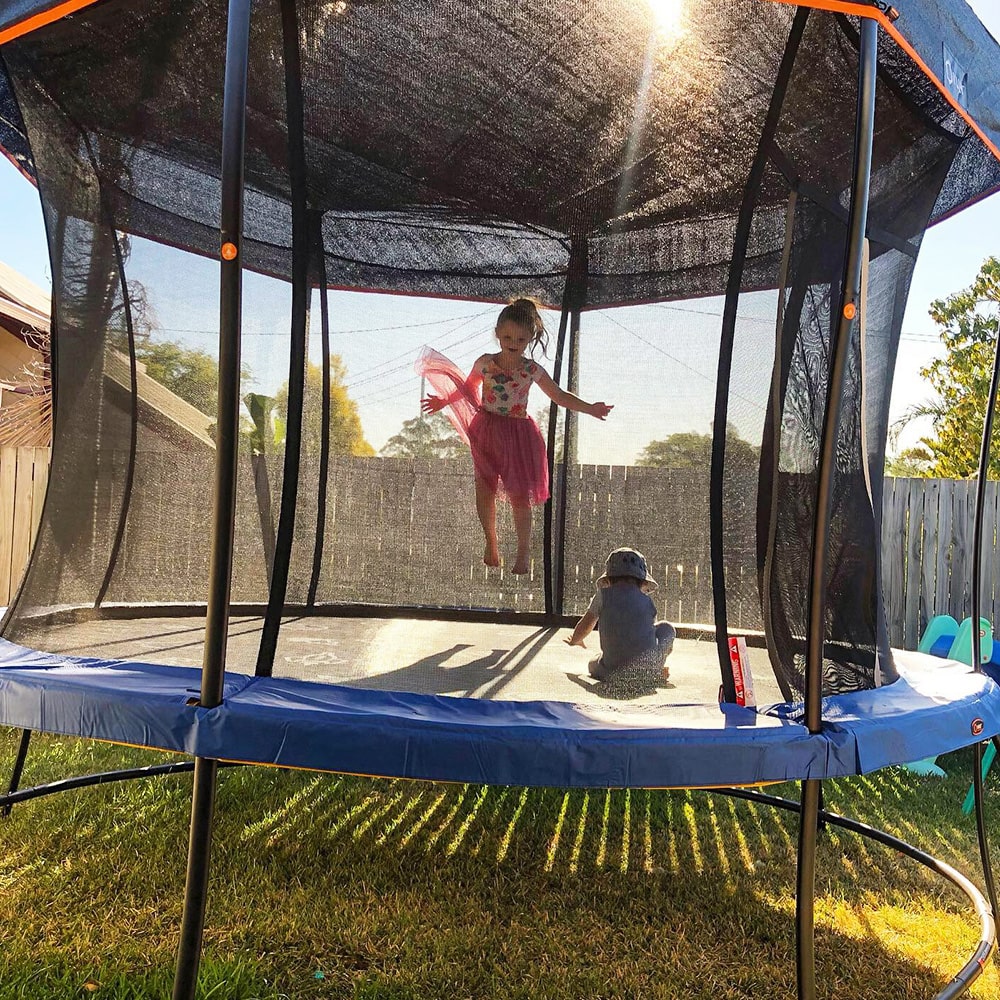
961 379
346 434
189 373
912 463
688 450
425 437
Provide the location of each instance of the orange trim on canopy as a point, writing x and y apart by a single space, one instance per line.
36 21
926 70
865 10
842 7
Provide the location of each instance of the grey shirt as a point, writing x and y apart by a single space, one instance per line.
625 623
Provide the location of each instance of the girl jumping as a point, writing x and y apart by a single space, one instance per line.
489 409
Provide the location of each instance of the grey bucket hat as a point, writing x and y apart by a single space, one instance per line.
627 562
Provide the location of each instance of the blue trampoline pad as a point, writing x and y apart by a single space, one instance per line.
936 706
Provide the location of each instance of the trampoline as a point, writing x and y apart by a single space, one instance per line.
720 211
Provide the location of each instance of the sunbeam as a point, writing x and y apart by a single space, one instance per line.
505 841
463 828
550 859
581 826
626 832
433 838
669 15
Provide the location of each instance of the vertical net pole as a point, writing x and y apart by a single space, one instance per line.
577 296
126 500
977 574
727 341
767 499
849 303
319 265
568 459
548 543
977 527
224 510
297 348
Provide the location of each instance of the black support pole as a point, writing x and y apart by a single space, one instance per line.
977 574
850 301
133 376
548 528
299 334
727 339
224 512
977 527
319 267
577 288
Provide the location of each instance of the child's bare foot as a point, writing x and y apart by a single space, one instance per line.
491 556
520 565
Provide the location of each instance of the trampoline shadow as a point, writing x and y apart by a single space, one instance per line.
482 677
659 841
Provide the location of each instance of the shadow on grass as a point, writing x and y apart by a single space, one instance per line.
326 886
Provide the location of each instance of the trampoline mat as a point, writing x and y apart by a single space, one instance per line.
462 659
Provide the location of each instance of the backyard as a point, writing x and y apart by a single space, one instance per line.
335 886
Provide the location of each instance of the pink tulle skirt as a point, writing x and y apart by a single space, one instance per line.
508 453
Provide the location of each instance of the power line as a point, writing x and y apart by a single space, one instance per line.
708 378
409 353
408 364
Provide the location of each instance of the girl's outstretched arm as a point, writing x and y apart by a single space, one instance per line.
572 402
468 390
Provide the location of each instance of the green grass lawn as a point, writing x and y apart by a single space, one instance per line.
329 886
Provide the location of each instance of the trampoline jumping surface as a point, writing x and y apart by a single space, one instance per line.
460 659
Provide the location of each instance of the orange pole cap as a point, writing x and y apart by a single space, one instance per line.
850 310
229 251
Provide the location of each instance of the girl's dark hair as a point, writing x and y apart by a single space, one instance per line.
524 312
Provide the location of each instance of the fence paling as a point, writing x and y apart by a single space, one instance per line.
928 524
23 476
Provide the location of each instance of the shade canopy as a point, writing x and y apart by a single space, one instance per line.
464 148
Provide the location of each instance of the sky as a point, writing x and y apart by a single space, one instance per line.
378 336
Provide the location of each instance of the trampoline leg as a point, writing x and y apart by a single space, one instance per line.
196 885
805 888
984 844
15 774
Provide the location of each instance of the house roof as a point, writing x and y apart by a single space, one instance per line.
22 303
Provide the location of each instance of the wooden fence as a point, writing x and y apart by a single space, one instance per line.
24 473
927 531
926 541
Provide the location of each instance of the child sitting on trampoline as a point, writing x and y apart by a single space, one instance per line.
632 641
489 410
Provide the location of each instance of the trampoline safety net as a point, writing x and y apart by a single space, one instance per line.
675 193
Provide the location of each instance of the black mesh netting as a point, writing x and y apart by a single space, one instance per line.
460 152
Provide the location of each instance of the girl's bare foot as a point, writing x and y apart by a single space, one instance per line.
491 556
520 565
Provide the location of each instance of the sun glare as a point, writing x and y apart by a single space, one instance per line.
668 15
